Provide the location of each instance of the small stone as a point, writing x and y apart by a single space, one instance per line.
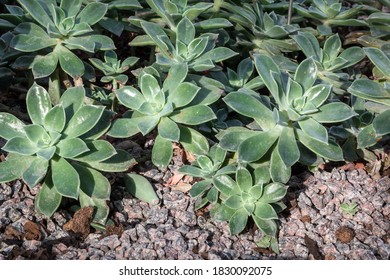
14 215
345 234
305 219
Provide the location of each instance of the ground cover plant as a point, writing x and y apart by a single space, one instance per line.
249 89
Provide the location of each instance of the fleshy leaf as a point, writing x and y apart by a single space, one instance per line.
38 103
141 188
48 199
161 152
65 178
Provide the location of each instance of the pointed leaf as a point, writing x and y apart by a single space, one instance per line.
92 13
161 152
244 179
176 75
124 127
10 126
194 115
330 151
98 150
70 148
141 188
380 60
36 172
119 162
13 167
278 170
44 65
65 178
287 146
273 192
334 112
234 202
48 199
269 227
93 183
130 97
193 141
147 124
238 221
250 107
55 119
185 31
306 73
225 185
37 135
318 94
381 123
20 145
265 211
183 94
255 147
70 63
200 188
72 100
314 129
38 103
168 129
83 120
149 87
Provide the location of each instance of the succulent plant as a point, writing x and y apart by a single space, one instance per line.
57 31
246 197
200 54
263 32
169 108
290 129
206 168
62 149
329 13
171 12
331 59
113 68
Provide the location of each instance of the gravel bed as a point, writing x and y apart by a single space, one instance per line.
312 227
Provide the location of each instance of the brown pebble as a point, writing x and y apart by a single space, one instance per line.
80 223
330 257
32 231
345 234
305 219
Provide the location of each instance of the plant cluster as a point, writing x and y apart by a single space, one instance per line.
267 84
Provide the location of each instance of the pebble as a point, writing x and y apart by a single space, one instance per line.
173 230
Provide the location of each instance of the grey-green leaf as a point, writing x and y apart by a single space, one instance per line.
38 103
93 183
168 129
65 178
194 115
35 172
161 152
83 120
255 147
333 112
55 119
119 162
71 147
265 211
238 221
330 151
287 146
48 199
141 188
10 126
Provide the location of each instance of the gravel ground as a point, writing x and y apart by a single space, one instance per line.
313 226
